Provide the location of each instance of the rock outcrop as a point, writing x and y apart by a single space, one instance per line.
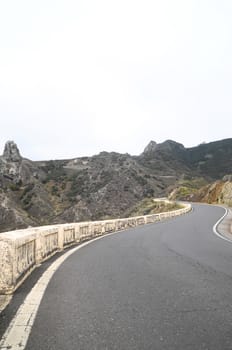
150 148
227 178
11 152
219 192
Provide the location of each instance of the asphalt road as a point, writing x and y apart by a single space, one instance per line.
162 286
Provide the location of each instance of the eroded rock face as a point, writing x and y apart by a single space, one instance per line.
150 148
227 178
226 196
15 168
12 216
11 152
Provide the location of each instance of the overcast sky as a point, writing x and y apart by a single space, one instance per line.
80 77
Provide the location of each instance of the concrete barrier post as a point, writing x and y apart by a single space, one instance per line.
61 237
6 266
38 250
77 232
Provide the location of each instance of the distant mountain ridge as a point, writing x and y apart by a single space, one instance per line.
212 159
102 186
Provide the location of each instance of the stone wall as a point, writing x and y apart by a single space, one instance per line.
22 250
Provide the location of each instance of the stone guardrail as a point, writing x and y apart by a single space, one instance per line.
22 250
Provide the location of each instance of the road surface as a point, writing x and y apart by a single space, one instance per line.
161 286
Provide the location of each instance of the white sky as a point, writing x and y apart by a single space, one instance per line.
80 77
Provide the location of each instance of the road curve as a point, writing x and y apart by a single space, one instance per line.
161 286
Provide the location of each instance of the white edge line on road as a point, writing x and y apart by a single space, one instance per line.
17 333
216 225
218 222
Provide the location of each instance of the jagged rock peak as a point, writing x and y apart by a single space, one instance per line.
170 144
11 152
166 145
150 147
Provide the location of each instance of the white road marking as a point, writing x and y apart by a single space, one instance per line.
17 334
216 225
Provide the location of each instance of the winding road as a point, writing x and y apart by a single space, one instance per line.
160 286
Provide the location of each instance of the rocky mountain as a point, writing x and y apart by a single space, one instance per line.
103 186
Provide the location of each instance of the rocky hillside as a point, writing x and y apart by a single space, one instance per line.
218 192
105 185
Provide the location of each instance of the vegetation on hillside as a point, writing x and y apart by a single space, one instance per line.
150 206
186 188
